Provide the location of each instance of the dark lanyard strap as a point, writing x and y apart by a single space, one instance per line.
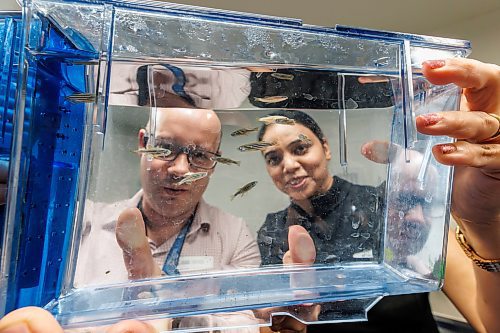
172 260
178 86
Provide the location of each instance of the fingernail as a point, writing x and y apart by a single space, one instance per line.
433 64
431 118
448 148
17 328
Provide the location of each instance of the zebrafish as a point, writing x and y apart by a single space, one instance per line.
304 138
190 177
283 76
225 160
82 98
309 97
244 189
255 146
153 151
282 120
271 99
82 62
244 131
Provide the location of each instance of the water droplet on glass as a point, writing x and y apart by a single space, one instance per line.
271 55
381 62
351 104
355 235
401 214
355 223
365 235
132 49
428 198
180 50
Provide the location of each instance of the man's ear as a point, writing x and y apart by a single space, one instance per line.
326 148
140 136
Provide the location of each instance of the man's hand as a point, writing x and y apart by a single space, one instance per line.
131 236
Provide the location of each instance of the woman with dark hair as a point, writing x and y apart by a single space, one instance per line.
342 218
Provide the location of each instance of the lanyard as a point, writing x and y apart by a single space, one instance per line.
172 260
170 265
178 86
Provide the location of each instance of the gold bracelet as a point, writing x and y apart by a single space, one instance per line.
491 265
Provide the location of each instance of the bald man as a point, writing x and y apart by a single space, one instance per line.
167 227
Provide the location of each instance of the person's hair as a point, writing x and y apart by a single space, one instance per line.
299 117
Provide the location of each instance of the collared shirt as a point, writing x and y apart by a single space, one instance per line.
345 225
216 241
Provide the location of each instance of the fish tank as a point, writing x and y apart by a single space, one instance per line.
209 170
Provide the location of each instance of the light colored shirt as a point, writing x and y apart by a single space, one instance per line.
216 241
220 88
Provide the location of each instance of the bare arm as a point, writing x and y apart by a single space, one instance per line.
460 283
476 185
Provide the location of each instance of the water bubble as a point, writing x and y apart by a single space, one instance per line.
136 26
294 40
132 49
180 50
351 104
381 62
355 224
271 55
365 235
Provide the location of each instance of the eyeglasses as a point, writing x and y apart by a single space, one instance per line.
197 157
406 201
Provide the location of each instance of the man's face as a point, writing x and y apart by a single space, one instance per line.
407 225
192 129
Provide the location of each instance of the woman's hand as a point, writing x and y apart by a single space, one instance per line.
476 183
476 154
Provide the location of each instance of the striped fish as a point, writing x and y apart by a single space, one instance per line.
282 120
82 98
153 150
304 138
255 146
190 177
241 191
244 131
283 76
271 99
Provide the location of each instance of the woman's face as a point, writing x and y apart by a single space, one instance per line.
298 162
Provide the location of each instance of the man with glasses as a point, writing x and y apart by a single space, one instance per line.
167 227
